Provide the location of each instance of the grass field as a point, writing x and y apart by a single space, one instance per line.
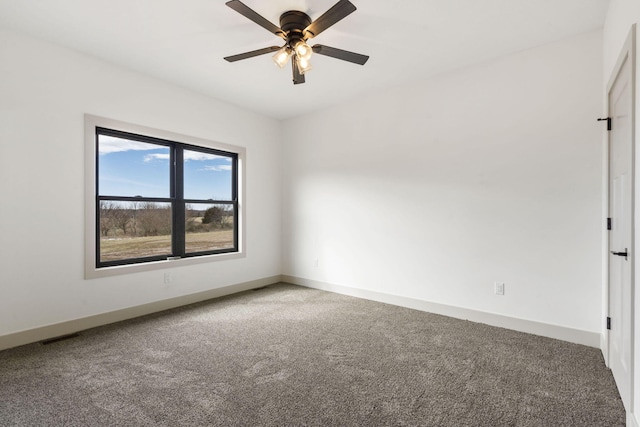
138 247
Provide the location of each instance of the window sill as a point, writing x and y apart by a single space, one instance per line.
96 273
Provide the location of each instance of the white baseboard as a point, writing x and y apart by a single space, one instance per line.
64 328
604 348
632 421
591 339
16 339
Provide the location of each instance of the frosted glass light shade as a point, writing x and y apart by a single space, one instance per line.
282 56
303 64
303 50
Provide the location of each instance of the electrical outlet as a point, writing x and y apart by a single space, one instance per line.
499 288
316 263
167 278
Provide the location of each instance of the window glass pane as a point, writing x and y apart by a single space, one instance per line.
131 230
207 176
209 227
132 168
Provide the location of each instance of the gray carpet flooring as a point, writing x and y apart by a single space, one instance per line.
290 356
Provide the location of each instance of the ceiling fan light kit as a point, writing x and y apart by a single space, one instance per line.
296 28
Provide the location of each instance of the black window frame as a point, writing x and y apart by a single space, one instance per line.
176 198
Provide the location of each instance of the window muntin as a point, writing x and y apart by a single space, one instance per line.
142 214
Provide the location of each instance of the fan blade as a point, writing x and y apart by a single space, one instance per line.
251 14
297 77
251 54
337 12
345 55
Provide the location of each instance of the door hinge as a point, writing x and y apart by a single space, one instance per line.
608 119
608 223
608 323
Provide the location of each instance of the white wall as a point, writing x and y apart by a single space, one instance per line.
622 14
432 190
437 189
44 92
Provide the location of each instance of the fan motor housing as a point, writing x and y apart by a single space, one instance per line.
293 23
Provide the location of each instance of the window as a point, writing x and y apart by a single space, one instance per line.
159 197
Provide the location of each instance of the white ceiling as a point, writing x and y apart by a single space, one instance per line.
183 42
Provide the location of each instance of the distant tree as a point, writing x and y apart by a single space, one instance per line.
154 219
214 215
227 217
133 207
194 224
121 218
106 217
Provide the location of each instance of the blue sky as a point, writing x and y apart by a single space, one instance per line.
132 168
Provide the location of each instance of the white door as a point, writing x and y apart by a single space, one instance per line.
620 236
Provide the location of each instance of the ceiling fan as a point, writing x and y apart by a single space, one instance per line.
296 28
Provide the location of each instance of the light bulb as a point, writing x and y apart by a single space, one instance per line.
282 56
303 64
303 50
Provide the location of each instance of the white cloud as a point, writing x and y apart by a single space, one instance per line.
196 155
112 144
188 155
218 168
156 156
